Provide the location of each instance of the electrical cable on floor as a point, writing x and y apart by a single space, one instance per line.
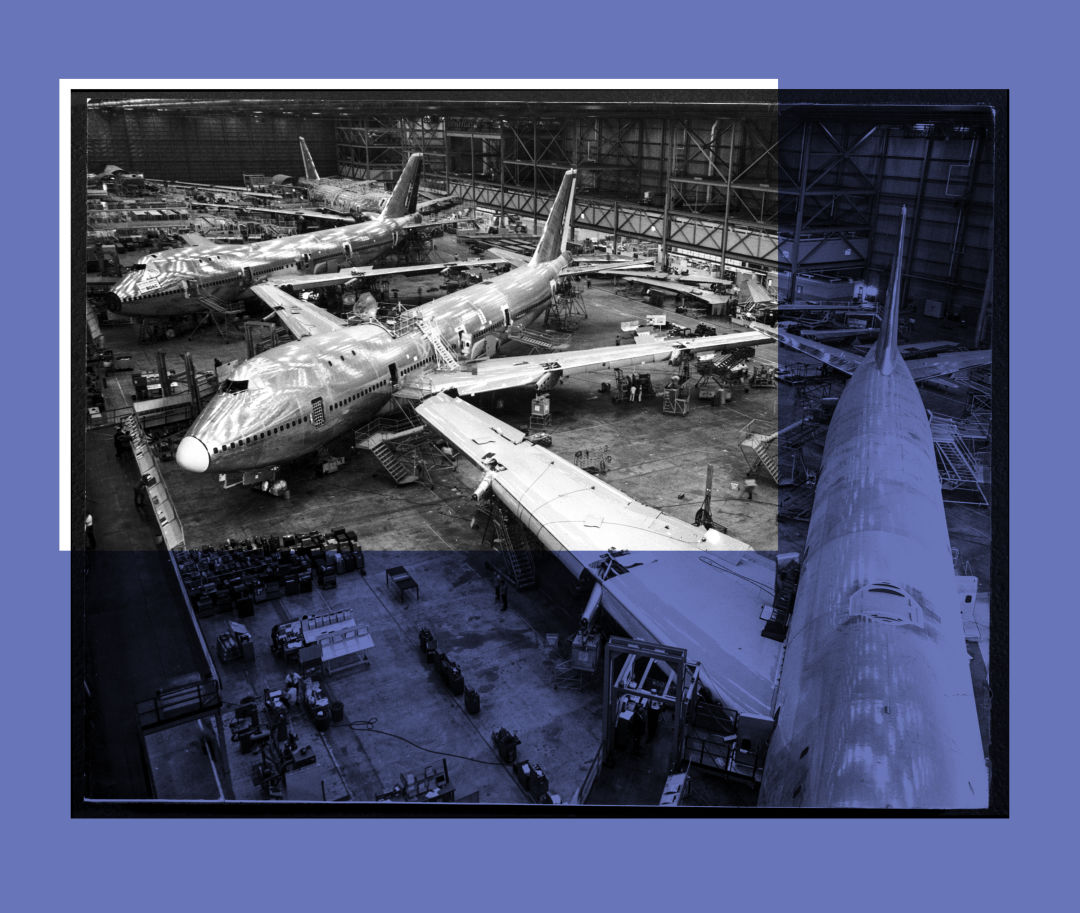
754 500
369 726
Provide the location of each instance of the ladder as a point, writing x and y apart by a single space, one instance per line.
766 457
758 448
511 542
442 352
389 461
957 465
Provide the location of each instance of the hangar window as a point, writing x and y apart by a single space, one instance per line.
887 603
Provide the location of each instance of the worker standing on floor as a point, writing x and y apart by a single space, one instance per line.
140 501
88 525
120 442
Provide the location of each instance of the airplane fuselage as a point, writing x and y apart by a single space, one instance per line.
191 280
348 197
296 397
875 702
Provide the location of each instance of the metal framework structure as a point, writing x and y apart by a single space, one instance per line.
845 171
617 686
706 185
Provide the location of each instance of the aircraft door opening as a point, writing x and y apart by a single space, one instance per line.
393 376
318 413
464 342
506 314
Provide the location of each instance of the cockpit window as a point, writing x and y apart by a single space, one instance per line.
234 386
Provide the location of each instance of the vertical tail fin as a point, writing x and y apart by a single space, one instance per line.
886 350
402 201
309 164
553 240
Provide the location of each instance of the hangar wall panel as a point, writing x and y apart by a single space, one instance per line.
216 148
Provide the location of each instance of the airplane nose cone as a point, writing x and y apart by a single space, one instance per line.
192 455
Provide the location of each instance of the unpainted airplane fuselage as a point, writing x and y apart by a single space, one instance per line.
294 398
347 197
875 704
191 280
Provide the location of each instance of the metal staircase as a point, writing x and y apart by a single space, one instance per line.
389 461
379 436
961 473
758 448
508 537
758 451
442 352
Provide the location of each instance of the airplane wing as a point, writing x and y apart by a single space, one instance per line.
690 291
546 368
833 357
950 363
851 333
301 318
757 294
420 226
614 266
301 283
437 203
314 214
679 586
921 368
800 307
510 256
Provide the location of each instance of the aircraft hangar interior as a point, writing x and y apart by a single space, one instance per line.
536 451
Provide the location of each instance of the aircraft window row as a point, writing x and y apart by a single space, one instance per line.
356 396
262 434
420 363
